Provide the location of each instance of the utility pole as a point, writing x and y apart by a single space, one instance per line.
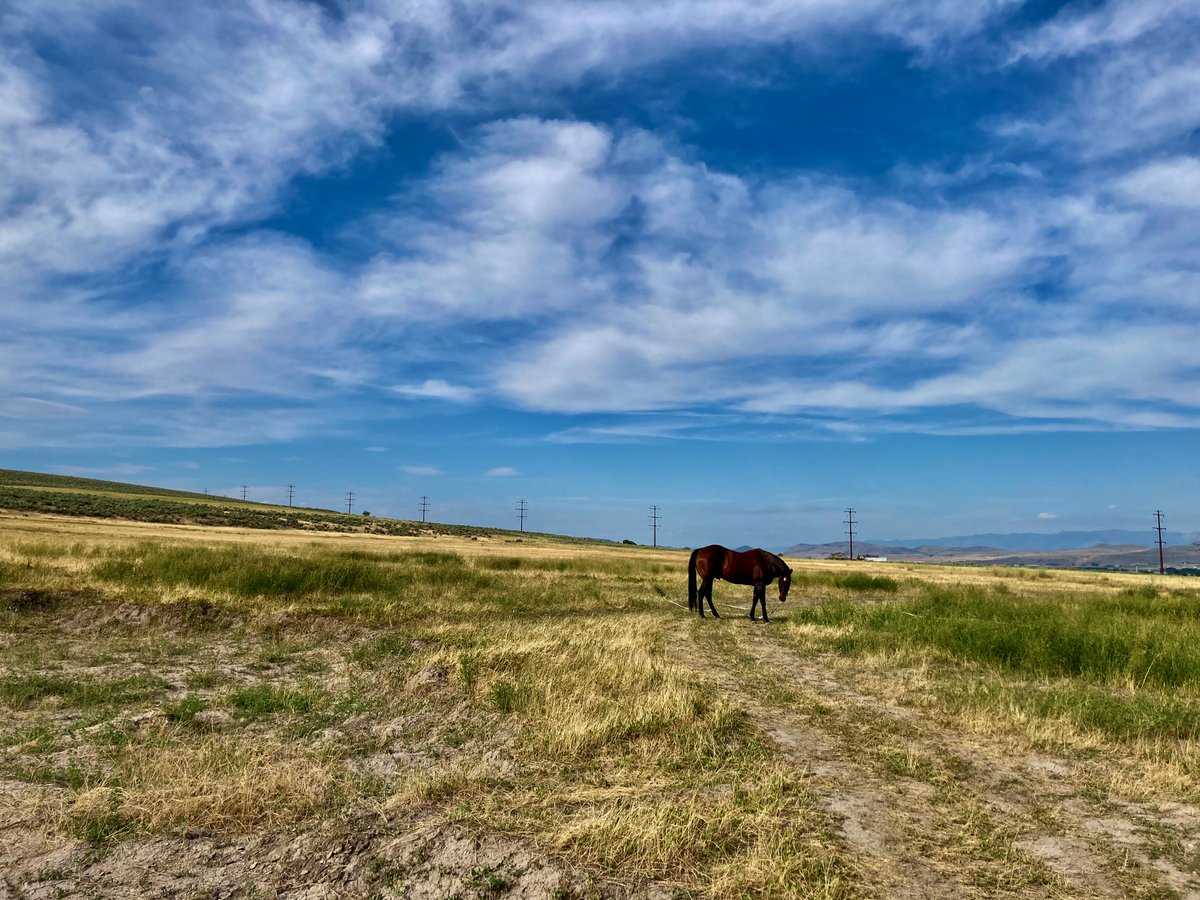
424 506
349 501
291 493
243 492
655 518
849 522
1162 569
521 510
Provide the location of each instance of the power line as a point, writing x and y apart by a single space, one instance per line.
655 518
849 522
291 493
243 492
1158 516
424 506
349 501
521 510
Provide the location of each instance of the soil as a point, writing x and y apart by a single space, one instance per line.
415 855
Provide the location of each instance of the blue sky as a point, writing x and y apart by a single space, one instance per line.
753 263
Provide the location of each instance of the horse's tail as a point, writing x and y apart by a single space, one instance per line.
692 580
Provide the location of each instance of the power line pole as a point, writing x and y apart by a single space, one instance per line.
243 492
655 518
424 506
521 510
849 522
291 493
349 501
1162 569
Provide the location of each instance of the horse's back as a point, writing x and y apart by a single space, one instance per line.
748 566
710 560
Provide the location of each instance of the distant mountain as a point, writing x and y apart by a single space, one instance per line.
1062 540
820 551
1119 556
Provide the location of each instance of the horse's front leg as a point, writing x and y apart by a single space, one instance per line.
762 593
754 603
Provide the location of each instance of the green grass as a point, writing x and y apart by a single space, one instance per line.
1129 639
248 573
184 710
23 691
1126 666
267 699
1145 715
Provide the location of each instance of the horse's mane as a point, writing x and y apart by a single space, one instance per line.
780 565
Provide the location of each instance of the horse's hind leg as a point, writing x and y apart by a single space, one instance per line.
708 593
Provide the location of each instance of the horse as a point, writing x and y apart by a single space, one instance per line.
756 567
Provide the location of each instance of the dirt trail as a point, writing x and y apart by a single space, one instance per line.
930 812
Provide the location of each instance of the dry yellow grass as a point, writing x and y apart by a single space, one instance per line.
554 693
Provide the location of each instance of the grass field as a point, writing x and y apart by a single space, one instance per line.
244 713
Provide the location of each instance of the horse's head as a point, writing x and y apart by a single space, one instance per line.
785 584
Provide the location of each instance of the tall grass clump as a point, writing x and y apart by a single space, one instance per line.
856 582
1132 639
861 581
243 571
250 572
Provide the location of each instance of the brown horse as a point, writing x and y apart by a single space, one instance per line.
756 567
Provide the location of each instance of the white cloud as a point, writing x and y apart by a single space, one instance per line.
1073 33
1166 183
643 280
436 389
421 470
35 408
1135 84
223 104
1047 515
501 472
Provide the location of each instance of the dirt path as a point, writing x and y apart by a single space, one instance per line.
933 812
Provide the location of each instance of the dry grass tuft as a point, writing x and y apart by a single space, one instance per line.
220 783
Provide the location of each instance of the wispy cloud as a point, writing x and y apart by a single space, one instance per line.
580 267
501 472
421 470
436 389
